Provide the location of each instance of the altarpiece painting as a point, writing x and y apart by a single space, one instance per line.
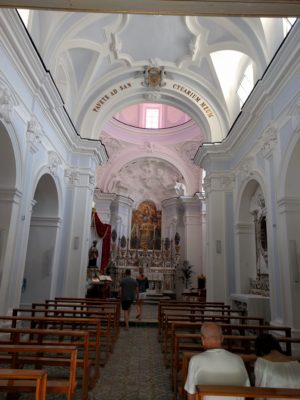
146 227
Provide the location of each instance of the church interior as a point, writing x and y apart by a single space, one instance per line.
172 139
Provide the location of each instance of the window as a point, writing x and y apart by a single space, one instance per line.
152 118
24 14
246 85
287 24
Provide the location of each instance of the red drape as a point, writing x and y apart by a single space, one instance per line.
104 232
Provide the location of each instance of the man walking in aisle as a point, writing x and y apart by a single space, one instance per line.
128 293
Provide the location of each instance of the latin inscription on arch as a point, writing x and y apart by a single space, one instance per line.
104 99
196 98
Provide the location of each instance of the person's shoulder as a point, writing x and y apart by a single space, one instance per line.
231 355
259 361
195 359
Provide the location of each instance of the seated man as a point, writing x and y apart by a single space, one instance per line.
215 366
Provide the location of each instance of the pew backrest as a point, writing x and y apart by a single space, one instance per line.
244 391
17 355
22 379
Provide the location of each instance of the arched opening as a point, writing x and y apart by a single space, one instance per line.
152 116
291 214
41 242
7 204
252 241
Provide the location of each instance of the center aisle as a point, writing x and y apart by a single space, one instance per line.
135 370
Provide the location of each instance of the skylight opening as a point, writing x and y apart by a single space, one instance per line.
24 14
246 85
227 64
287 24
152 118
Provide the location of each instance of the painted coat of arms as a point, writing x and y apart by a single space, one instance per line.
153 77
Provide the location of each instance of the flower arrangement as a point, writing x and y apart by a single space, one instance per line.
187 272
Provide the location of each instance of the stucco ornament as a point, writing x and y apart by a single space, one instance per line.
269 140
34 131
154 77
180 189
71 176
53 162
6 104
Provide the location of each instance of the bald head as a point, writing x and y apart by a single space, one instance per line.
211 335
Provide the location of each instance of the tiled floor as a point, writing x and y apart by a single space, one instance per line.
149 313
135 370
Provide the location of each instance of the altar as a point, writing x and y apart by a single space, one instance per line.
160 280
159 267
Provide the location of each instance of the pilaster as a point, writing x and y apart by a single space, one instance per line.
269 142
78 217
219 220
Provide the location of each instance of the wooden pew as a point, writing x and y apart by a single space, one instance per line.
17 355
91 302
192 342
244 391
57 337
105 318
92 325
193 308
12 380
170 302
193 323
227 329
111 306
107 309
114 304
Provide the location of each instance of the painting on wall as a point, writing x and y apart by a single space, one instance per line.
146 227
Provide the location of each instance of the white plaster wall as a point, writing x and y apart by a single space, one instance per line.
260 145
43 141
39 264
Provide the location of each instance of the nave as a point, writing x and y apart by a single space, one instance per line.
135 370
148 361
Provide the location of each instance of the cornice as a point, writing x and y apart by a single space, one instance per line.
172 202
266 8
19 48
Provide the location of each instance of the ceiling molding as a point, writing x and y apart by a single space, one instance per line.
267 8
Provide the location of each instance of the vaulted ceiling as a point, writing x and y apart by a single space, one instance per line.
100 64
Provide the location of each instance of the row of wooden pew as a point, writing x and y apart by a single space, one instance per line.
179 334
77 334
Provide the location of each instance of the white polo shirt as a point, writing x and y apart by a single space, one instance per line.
216 367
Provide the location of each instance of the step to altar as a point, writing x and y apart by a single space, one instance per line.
155 298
